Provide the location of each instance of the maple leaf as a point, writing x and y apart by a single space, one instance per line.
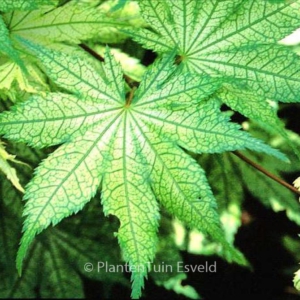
237 40
71 23
130 144
46 24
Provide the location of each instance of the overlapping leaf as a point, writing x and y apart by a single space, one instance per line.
270 193
222 176
131 66
231 39
230 179
236 39
69 23
50 25
130 144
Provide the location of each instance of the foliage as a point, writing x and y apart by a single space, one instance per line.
153 143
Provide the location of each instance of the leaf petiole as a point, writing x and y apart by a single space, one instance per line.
264 171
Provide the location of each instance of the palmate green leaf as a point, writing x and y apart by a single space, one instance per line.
130 144
233 39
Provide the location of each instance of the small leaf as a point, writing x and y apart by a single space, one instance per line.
131 66
9 171
13 80
297 183
297 280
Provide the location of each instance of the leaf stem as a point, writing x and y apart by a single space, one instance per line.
264 171
178 59
92 52
130 96
132 83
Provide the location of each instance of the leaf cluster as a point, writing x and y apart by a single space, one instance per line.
145 142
